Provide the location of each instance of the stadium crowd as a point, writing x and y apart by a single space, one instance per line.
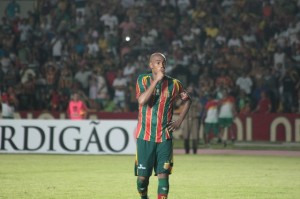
249 47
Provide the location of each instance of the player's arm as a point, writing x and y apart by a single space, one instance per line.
186 106
187 101
146 95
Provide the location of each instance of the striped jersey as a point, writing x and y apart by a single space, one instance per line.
211 111
226 109
155 115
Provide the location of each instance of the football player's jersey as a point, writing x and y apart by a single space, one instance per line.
226 109
154 116
211 111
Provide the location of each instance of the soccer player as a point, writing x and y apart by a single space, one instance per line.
156 93
211 118
227 114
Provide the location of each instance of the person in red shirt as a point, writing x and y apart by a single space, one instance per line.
77 110
54 100
267 9
264 105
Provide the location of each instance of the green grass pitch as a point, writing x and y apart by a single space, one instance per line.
111 177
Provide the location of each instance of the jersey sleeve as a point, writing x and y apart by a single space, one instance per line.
183 94
140 86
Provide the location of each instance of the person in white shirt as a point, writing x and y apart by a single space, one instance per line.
93 48
279 57
57 46
6 108
129 70
119 84
82 76
249 37
9 102
244 83
234 42
102 94
109 19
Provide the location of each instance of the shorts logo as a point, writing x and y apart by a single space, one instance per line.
141 167
166 165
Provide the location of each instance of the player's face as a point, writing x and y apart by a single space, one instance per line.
158 63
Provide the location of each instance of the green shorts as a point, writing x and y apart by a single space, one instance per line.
153 156
225 122
214 127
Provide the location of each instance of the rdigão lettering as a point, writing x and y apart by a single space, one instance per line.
35 138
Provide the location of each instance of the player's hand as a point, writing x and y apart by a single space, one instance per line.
173 126
160 75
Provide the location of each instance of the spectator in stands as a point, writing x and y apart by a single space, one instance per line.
77 109
243 103
127 27
264 104
258 35
129 70
25 30
9 102
109 19
55 98
98 88
279 57
120 85
5 63
93 48
211 29
288 82
57 46
244 83
12 10
65 79
234 41
51 75
271 83
82 76
80 19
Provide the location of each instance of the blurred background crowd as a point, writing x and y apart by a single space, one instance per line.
98 48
